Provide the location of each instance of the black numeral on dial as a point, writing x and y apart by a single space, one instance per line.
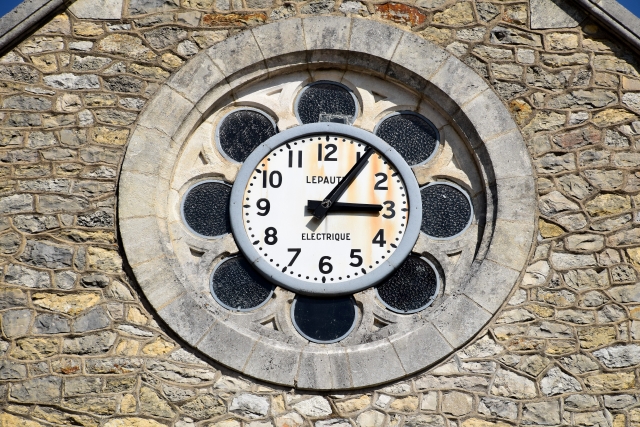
379 238
324 265
331 150
271 236
382 178
358 258
275 179
390 205
297 251
264 206
299 159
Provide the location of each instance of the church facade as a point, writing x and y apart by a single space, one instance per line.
169 257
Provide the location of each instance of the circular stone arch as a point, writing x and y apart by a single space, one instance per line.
364 45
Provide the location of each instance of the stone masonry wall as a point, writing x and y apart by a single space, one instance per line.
79 347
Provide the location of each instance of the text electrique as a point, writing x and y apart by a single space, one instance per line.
326 236
318 179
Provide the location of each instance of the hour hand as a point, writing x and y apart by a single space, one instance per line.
345 207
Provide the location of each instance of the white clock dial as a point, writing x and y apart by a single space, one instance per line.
361 231
343 245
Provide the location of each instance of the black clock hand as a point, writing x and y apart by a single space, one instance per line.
345 207
321 211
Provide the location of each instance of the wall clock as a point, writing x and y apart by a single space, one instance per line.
325 209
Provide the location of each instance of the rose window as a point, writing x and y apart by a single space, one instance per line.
326 216
248 224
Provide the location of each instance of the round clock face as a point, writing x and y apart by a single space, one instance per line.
325 209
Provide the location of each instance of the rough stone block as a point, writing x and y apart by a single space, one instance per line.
92 320
557 382
44 254
25 276
554 14
82 385
15 323
506 35
50 324
314 407
566 261
10 243
97 9
12 371
72 81
90 344
12 297
17 203
457 403
204 406
541 413
140 7
45 389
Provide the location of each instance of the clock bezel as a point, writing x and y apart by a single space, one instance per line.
386 268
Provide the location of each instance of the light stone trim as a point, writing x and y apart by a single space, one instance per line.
24 17
365 46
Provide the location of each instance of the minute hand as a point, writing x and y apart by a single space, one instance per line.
321 211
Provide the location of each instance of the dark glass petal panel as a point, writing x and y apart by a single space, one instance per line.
446 211
411 288
242 131
324 319
327 99
205 208
413 136
238 286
